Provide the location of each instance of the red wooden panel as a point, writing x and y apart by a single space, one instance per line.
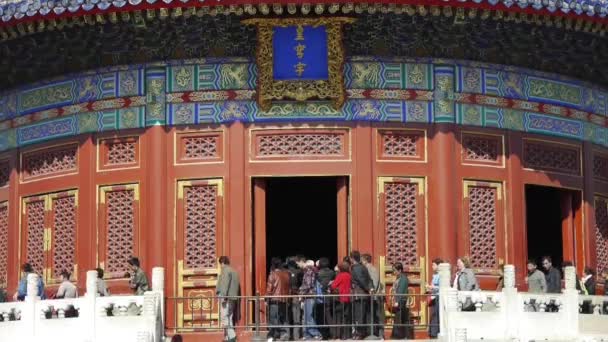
118 153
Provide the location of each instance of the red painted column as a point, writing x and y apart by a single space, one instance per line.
588 204
517 250
86 246
363 191
235 192
442 191
154 198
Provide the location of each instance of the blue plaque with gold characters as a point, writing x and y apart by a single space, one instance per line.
300 59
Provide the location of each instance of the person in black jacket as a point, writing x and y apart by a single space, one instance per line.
362 285
323 309
294 312
552 275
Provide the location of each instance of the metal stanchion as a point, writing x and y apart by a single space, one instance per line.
371 336
257 336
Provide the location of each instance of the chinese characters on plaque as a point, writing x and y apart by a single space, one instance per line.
300 53
300 59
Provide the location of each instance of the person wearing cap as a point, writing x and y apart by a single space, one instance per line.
66 289
139 281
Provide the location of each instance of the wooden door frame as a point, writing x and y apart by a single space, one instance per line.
259 222
572 226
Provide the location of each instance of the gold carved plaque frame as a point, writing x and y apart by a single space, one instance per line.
269 89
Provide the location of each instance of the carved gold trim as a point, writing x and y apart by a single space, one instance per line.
269 89
417 180
478 183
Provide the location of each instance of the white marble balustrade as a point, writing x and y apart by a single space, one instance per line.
518 316
86 319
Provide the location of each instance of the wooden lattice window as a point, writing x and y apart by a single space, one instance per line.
484 238
481 149
119 228
118 153
601 233
50 162
3 244
301 144
199 243
553 157
403 216
49 226
5 173
600 166
199 147
403 144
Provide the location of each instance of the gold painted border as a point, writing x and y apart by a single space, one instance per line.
270 89
500 164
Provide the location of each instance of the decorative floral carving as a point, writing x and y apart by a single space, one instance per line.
47 162
542 156
3 244
121 152
482 226
64 234
5 173
201 225
313 144
601 233
401 218
200 147
34 212
400 144
480 148
120 221
600 167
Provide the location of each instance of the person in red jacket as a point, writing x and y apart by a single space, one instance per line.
342 285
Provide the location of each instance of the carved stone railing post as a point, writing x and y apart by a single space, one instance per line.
29 309
444 293
87 311
510 300
158 285
570 301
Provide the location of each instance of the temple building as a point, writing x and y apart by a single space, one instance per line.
180 131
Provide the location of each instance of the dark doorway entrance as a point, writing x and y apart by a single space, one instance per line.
553 217
302 218
544 223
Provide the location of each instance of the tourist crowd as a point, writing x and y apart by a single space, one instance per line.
312 301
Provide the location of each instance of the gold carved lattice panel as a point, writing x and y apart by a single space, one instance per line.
3 244
478 148
5 173
552 157
482 226
400 144
600 167
122 152
200 147
35 212
201 226
313 144
601 233
64 234
47 162
120 221
400 211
